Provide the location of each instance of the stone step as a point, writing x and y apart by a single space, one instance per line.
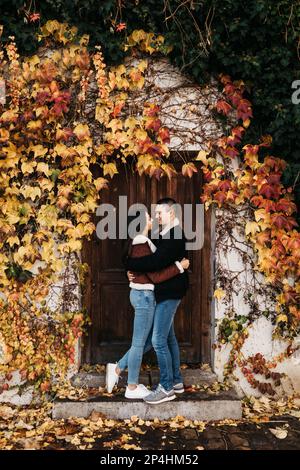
198 405
150 377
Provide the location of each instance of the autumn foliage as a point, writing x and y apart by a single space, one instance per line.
48 142
255 183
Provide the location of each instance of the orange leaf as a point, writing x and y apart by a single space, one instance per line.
188 169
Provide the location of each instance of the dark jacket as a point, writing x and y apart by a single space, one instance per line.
170 248
154 277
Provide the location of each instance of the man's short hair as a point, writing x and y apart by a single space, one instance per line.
170 203
167 201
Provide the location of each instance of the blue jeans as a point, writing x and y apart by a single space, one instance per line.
165 343
143 302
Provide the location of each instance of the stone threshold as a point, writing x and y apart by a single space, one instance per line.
192 404
200 406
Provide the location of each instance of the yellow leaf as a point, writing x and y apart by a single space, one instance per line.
120 69
142 65
47 215
34 60
12 218
100 183
41 110
9 116
251 227
115 124
28 167
138 430
202 157
82 131
138 35
109 169
74 245
131 446
282 317
43 168
34 125
13 241
75 441
46 183
31 191
219 293
261 214
131 122
39 150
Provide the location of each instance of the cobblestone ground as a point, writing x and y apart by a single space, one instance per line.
243 436
34 429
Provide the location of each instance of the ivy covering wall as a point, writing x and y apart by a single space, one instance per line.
253 40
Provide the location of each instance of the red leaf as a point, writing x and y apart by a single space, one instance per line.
153 124
224 185
281 221
223 107
230 152
286 206
267 190
120 27
220 196
34 17
117 109
150 109
164 135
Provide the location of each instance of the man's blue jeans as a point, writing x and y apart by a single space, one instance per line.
143 302
165 343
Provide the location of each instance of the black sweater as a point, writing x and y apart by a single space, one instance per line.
170 248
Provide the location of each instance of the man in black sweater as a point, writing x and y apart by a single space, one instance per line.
168 294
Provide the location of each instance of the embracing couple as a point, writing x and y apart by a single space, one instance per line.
157 271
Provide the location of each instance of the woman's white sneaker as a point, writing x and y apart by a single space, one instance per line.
139 392
111 378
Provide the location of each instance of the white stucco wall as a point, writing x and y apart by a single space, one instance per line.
260 332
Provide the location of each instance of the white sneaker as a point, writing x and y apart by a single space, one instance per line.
139 392
112 377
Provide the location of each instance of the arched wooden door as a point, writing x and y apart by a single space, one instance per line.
107 293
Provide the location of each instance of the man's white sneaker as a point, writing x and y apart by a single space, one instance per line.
112 377
139 392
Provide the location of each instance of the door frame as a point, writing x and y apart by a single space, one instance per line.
206 334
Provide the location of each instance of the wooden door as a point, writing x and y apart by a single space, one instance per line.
107 294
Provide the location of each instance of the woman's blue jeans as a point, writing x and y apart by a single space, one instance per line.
143 302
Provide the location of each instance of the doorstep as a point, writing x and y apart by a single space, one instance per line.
193 404
196 405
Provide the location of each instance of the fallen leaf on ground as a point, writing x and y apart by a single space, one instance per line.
96 415
280 433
